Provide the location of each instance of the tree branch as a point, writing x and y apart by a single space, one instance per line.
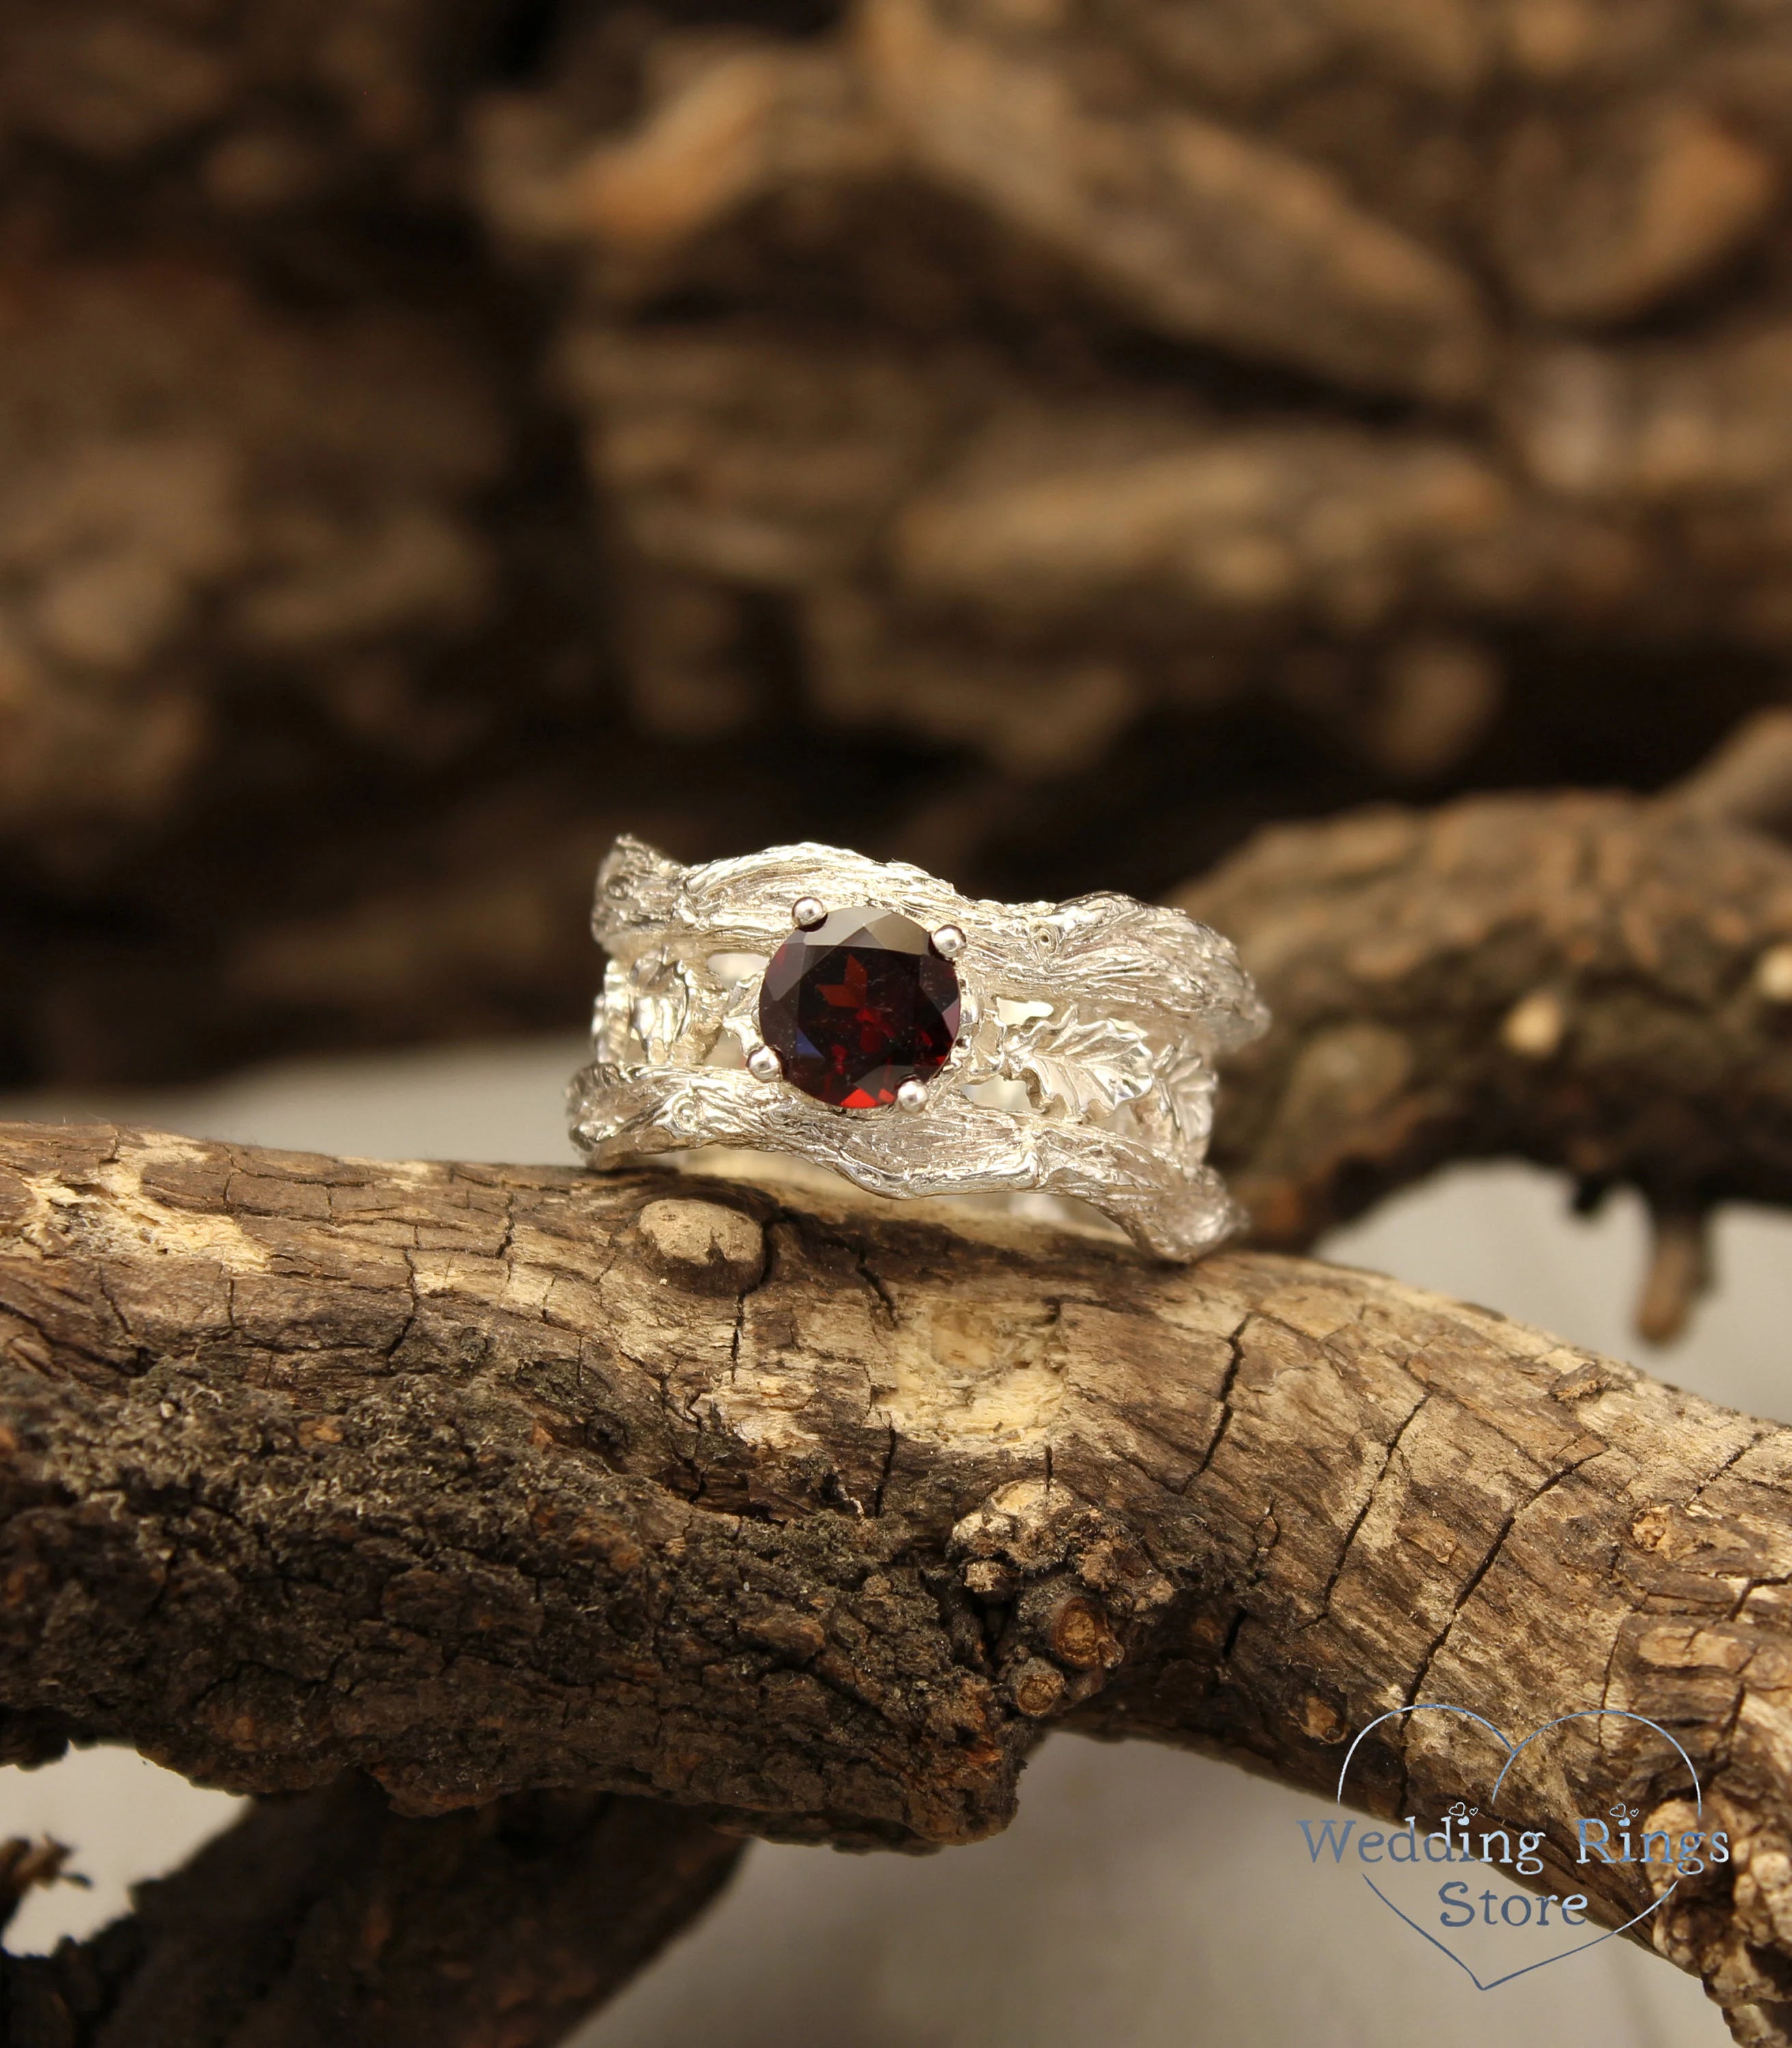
328 1919
1601 983
814 1514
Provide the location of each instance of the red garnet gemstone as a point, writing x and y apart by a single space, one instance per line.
858 1006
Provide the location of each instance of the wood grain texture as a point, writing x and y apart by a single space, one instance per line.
812 1514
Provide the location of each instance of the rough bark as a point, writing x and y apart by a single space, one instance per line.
1598 984
329 1918
812 1515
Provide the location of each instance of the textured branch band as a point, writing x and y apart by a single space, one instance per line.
865 1016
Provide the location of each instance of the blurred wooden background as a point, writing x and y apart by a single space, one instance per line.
1042 438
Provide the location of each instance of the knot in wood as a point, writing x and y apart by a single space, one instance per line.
1036 1686
703 1244
1020 1530
1061 1626
1075 1631
1060 1580
1034 1529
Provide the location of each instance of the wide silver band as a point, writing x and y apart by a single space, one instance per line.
1084 1063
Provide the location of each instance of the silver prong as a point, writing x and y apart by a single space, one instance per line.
764 1064
911 1095
807 912
948 941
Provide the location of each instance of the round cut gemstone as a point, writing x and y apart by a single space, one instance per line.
858 1005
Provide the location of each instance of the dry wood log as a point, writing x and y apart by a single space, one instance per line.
1602 984
328 1919
812 1515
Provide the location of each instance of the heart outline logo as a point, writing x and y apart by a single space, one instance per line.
1514 1752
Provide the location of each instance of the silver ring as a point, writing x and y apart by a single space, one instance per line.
863 1015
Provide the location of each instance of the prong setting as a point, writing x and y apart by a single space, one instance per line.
948 941
911 1096
764 1064
807 911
